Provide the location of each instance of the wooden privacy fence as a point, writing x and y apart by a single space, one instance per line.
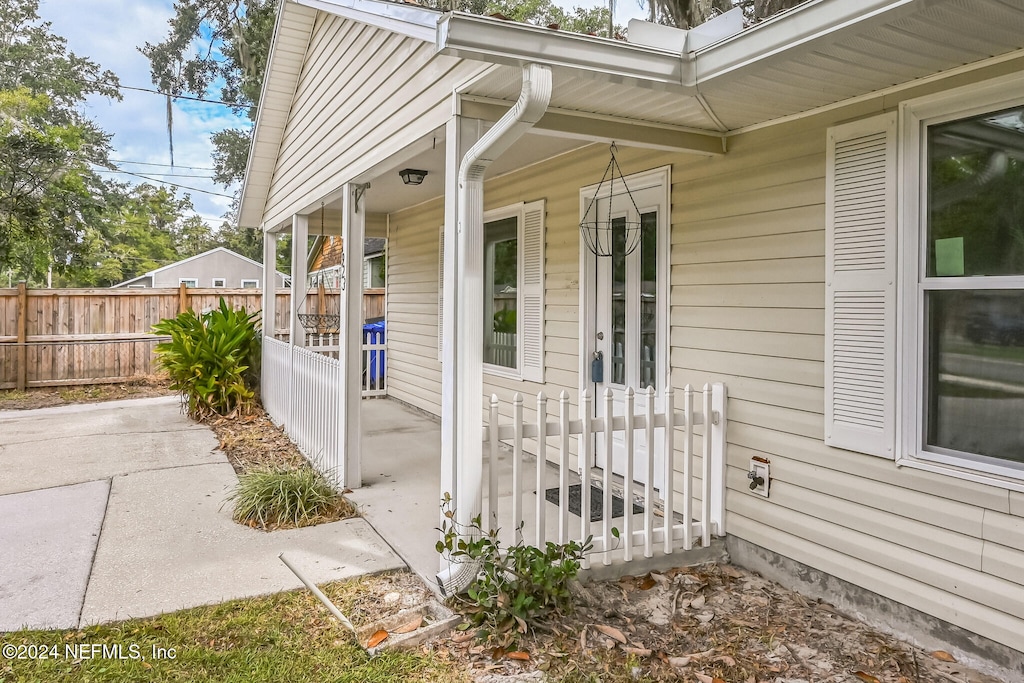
58 337
650 520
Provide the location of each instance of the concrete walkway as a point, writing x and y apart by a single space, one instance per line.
114 510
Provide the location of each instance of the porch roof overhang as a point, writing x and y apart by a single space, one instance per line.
815 55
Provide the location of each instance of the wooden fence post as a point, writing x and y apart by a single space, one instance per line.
22 328
182 298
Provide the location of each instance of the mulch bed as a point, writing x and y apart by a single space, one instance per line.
707 624
254 442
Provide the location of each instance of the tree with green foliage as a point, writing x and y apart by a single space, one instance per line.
690 13
48 190
234 36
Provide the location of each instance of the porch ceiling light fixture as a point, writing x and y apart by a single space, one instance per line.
411 176
604 235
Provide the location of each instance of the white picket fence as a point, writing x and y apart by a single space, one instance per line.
667 522
374 349
313 423
374 365
275 377
299 389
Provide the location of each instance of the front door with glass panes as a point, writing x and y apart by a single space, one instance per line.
626 312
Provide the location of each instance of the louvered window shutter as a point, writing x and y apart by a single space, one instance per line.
860 286
531 299
440 294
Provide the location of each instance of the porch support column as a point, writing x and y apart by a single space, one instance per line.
469 276
269 283
353 230
296 335
300 239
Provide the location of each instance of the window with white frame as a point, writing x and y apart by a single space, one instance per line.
219 282
950 397
964 277
513 310
188 281
250 284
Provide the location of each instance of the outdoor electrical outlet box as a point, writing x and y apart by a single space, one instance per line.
759 476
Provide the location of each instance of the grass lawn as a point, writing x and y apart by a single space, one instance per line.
287 637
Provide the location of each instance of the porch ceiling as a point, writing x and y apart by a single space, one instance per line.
388 193
820 53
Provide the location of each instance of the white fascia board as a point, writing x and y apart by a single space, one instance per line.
407 20
250 215
501 42
801 25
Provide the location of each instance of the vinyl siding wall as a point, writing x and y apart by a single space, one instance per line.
350 110
747 309
414 372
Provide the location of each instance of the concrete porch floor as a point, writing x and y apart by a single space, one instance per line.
401 496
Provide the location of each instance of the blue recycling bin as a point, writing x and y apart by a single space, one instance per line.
375 333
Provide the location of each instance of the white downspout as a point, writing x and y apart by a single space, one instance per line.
468 295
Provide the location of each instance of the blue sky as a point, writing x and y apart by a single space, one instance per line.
108 32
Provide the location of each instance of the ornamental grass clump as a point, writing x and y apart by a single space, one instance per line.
209 357
274 499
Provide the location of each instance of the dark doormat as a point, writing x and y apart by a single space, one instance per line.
596 503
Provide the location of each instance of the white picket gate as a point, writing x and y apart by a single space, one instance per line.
667 522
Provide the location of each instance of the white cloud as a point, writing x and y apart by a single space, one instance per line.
109 33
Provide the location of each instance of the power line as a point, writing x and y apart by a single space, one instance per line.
149 90
176 97
150 163
162 175
184 187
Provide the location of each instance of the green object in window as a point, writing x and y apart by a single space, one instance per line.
949 257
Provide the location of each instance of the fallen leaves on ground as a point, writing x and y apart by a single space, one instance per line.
254 442
713 624
377 638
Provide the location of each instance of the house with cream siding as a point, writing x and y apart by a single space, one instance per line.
823 212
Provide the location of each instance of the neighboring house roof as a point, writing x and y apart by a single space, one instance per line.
812 56
235 254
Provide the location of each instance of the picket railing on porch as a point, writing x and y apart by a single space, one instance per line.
299 389
667 522
374 350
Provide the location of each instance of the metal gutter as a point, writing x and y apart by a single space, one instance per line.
496 41
468 296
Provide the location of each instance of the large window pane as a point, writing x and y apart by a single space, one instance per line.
501 265
648 299
975 365
976 196
618 257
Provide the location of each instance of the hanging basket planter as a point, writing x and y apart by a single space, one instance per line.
603 233
320 323
327 319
